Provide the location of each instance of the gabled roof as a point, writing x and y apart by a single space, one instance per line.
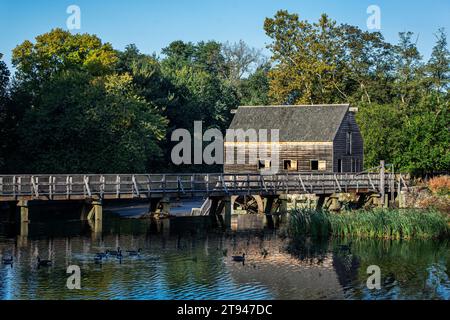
300 123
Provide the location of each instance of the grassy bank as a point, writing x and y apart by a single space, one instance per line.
381 223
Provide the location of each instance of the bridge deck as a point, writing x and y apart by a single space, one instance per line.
136 186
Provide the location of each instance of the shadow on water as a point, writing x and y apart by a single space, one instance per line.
184 258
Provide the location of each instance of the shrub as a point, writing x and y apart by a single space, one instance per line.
440 185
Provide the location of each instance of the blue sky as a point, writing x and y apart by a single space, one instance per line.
152 24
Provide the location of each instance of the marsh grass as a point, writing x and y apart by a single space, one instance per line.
378 223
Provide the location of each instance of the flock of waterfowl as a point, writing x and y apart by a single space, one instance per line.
101 256
98 258
39 262
117 254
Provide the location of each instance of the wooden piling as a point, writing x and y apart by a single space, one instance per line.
268 211
23 205
228 212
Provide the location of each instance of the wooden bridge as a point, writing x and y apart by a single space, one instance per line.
141 186
221 190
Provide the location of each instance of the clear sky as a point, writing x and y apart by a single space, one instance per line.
153 24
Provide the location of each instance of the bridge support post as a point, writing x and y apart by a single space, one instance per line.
23 205
96 212
159 208
268 211
213 212
228 212
165 206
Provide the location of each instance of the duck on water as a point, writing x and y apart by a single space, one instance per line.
239 258
7 260
43 263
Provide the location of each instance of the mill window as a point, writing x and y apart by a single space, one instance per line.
314 165
290 165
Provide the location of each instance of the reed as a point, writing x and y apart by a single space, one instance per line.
378 223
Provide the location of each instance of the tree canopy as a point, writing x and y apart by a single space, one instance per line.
403 101
76 104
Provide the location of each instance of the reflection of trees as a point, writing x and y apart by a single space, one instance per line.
408 268
189 264
346 266
405 266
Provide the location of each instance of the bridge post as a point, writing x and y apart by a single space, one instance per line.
228 212
213 212
165 203
96 212
268 211
23 205
153 207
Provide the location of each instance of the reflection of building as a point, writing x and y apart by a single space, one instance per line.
284 275
321 138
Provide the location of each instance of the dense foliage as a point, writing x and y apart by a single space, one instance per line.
75 104
403 102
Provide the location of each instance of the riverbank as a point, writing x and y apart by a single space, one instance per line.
377 223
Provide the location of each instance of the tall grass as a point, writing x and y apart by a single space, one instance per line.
379 223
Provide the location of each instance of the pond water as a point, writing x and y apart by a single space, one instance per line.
183 258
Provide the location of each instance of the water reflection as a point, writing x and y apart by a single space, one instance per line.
184 259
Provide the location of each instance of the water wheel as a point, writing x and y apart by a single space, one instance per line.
250 204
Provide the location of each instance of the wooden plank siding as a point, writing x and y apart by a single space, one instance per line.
340 146
303 153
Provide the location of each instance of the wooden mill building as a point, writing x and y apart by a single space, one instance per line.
312 138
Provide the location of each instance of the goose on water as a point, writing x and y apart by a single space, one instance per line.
113 253
102 255
98 258
7 261
239 258
134 252
43 263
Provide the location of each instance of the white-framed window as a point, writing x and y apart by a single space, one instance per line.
264 164
290 165
322 165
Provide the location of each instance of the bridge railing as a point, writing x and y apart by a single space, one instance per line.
145 185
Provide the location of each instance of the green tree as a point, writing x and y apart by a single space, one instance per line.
326 63
199 87
89 124
4 81
75 113
254 89
408 71
438 67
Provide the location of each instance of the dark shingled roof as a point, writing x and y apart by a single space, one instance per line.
310 123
